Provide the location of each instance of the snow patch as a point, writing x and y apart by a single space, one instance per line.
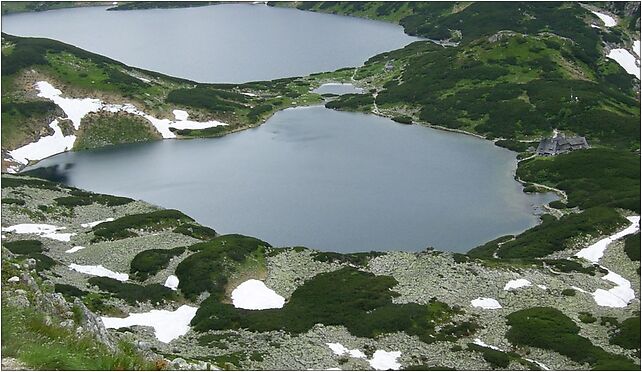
92 224
516 283
595 251
385 360
168 325
626 60
99 270
75 108
541 286
607 19
13 279
486 303
479 342
172 282
636 48
75 249
618 296
183 123
255 295
339 349
44 230
45 146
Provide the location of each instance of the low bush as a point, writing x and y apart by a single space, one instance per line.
209 268
360 301
69 290
549 328
25 247
79 197
569 292
496 358
632 247
196 231
627 334
403 119
149 262
133 293
555 235
358 259
121 227
593 177
586 317
13 201
29 182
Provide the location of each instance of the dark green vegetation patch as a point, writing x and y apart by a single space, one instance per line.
360 301
69 291
29 182
555 235
632 247
80 197
32 249
103 129
24 246
627 334
13 201
594 177
549 328
214 261
358 259
149 262
121 228
133 293
196 231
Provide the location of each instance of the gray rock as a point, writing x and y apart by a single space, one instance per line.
31 263
94 324
142 345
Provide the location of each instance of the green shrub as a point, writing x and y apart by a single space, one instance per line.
25 247
587 317
360 301
133 293
149 262
403 119
627 334
514 145
555 235
85 198
549 328
593 177
29 182
209 268
567 266
154 221
486 250
13 201
358 259
496 358
557 204
196 231
569 292
69 290
632 246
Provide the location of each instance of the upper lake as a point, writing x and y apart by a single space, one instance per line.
222 43
329 180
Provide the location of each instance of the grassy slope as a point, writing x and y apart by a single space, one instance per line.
105 129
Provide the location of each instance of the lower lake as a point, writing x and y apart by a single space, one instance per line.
329 180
